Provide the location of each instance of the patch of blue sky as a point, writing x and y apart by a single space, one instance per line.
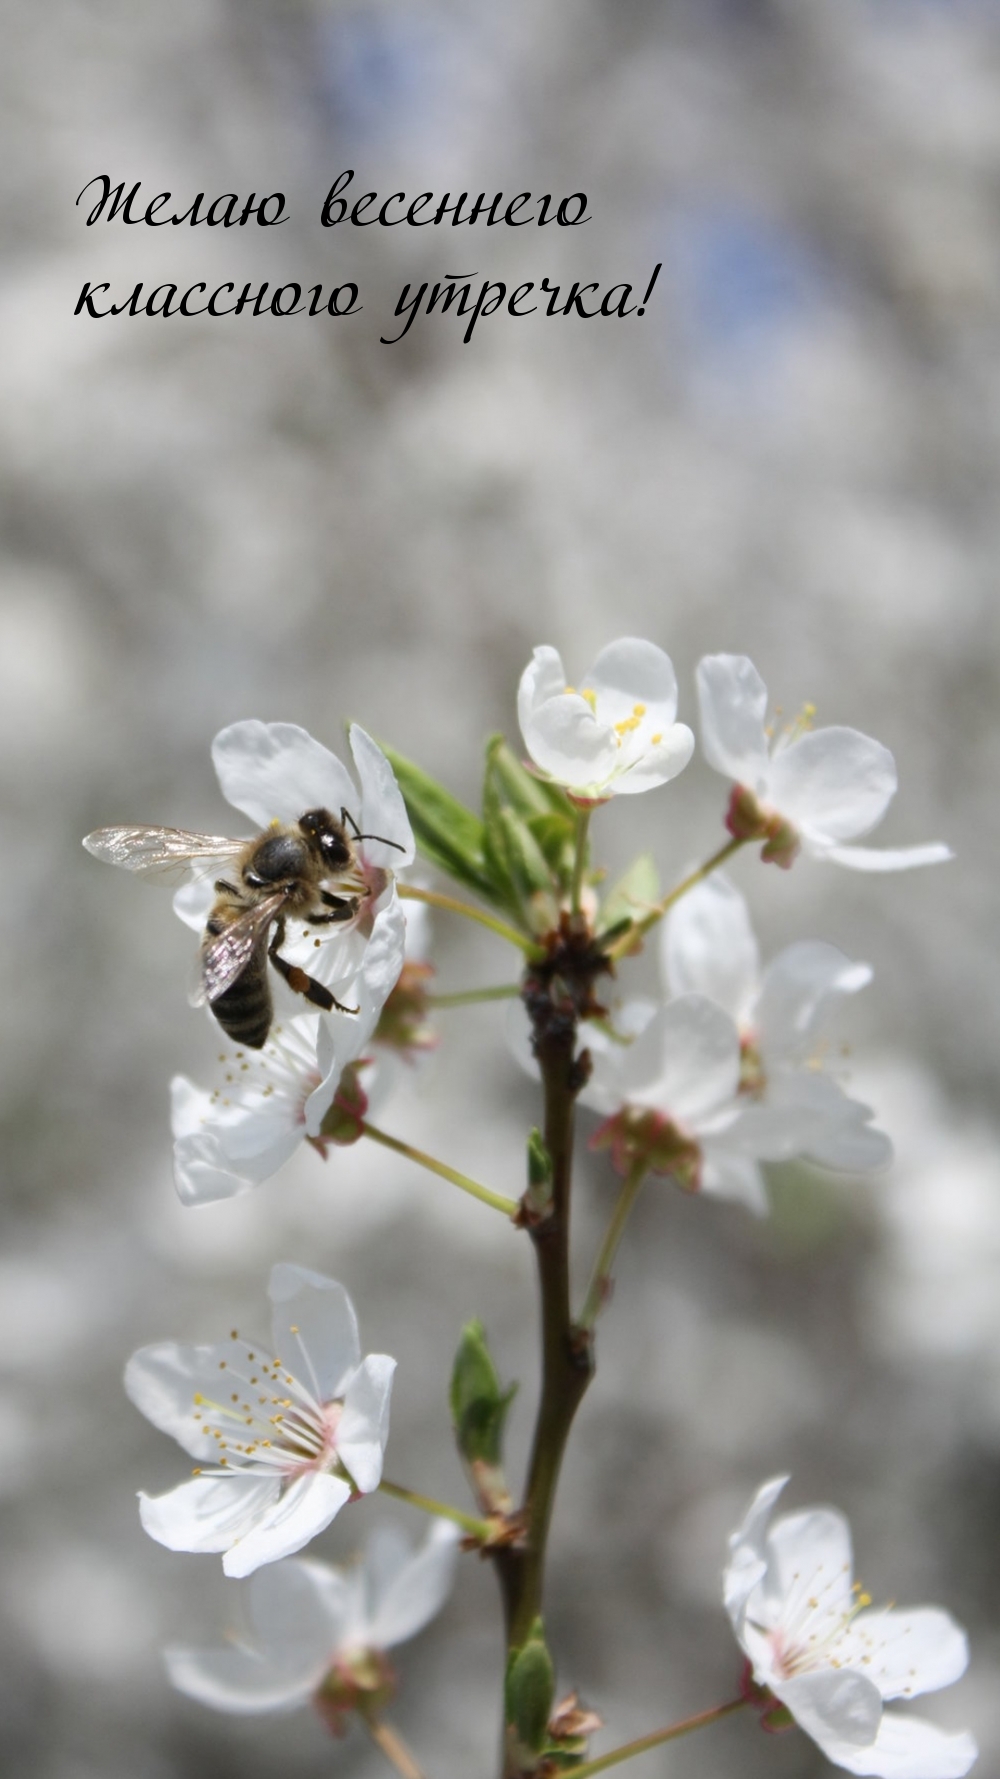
742 282
385 71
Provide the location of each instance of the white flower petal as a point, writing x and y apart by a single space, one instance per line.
571 744
276 771
732 700
735 1178
796 993
240 1681
833 1706
709 947
409 1599
747 1561
300 1610
632 670
193 902
809 1554
315 1329
209 1512
383 810
833 783
904 1652
364 1424
687 1061
203 1174
900 858
163 1381
909 1748
657 762
543 678
305 1509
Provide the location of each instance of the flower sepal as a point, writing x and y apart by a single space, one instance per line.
747 819
774 1716
404 1023
361 1680
641 1137
343 1123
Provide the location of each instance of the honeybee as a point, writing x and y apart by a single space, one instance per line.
281 872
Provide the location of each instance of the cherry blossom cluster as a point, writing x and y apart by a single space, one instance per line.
724 1065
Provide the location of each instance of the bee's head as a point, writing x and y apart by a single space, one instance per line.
329 836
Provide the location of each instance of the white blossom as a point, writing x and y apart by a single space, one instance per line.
667 1080
615 733
814 787
275 772
317 1631
781 1013
283 1439
815 1642
261 1104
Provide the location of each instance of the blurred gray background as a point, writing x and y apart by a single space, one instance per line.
793 454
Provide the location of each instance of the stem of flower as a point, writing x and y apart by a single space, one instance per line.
644 1743
393 1747
476 1528
600 1278
469 997
582 827
410 893
509 1206
623 946
554 1000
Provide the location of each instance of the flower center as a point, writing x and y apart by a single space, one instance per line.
265 1419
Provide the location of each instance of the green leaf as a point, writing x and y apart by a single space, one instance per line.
525 859
525 792
530 1690
478 1403
446 832
632 895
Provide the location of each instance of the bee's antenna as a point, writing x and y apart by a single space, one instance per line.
346 816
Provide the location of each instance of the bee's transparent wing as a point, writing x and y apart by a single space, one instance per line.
169 853
225 957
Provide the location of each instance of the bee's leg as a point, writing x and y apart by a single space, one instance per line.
300 980
345 908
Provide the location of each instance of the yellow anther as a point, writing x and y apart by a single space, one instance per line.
864 1599
638 710
657 738
294 1329
234 1334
